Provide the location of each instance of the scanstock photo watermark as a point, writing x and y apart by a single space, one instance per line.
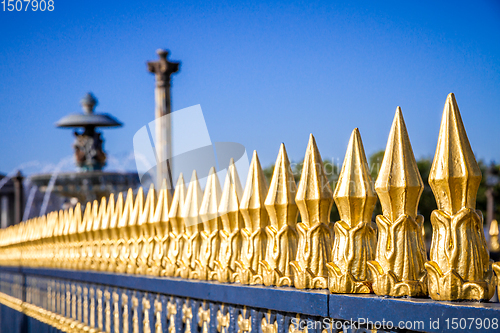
190 149
459 324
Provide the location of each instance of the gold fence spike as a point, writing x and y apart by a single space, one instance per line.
232 222
105 234
175 243
129 232
192 227
84 229
355 238
459 267
121 247
160 218
256 219
71 249
210 238
146 232
116 212
398 269
134 232
160 224
281 231
148 213
99 212
314 200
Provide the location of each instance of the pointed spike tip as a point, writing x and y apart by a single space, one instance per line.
314 195
399 184
455 174
354 194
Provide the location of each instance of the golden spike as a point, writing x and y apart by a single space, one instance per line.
105 233
71 253
314 200
160 224
398 269
256 219
281 231
99 212
83 228
459 268
147 215
175 243
146 232
115 213
134 230
129 232
160 218
232 222
355 237
493 232
192 222
210 238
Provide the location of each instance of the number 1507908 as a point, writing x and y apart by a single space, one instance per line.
27 5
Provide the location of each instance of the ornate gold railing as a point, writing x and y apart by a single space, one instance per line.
251 235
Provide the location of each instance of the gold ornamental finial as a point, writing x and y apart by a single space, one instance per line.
314 200
232 222
160 224
148 212
210 238
129 232
160 219
459 268
398 269
399 184
175 242
116 212
281 231
192 221
146 229
98 234
354 236
455 174
256 219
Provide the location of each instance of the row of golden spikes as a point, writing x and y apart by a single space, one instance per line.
252 236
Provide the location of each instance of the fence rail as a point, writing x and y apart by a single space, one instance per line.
201 261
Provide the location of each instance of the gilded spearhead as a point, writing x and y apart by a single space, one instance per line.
191 207
455 174
355 238
256 219
314 200
176 229
210 238
191 217
281 231
398 269
160 218
354 194
232 222
147 214
399 184
209 210
459 268
314 194
280 201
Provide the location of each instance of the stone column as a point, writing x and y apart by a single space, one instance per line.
163 141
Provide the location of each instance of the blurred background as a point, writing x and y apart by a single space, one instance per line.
264 72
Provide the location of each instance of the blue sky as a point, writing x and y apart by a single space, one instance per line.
263 72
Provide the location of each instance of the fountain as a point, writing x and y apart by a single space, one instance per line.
90 182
